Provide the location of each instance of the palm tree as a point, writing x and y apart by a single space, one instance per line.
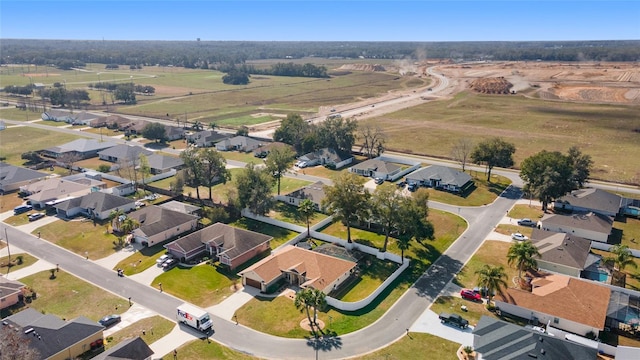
307 208
522 254
621 257
493 279
128 225
319 300
115 218
403 243
304 300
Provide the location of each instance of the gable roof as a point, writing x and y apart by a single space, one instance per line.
161 162
313 192
580 301
53 188
207 136
499 340
594 199
50 334
10 174
561 248
330 154
130 349
98 201
377 165
155 219
173 130
180 207
589 221
242 141
82 146
123 151
446 175
320 270
234 241
9 287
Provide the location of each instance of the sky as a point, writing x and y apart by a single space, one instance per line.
321 20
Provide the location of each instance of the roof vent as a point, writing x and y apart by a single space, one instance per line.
540 338
542 351
532 355
28 331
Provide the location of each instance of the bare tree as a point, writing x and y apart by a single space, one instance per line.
373 139
14 346
461 151
69 159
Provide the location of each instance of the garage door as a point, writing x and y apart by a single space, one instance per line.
253 283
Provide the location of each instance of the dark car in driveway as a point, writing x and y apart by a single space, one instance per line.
109 320
527 222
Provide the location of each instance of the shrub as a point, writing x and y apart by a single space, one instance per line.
19 259
104 168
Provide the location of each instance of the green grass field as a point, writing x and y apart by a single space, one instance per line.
609 133
203 285
81 237
18 140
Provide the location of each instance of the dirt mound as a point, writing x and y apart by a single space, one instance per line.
362 67
495 85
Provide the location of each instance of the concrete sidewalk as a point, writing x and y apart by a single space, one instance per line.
176 338
129 317
37 267
429 323
146 277
112 260
228 307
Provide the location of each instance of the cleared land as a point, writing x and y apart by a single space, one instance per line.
17 140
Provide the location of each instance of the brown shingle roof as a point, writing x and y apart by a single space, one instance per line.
581 301
320 270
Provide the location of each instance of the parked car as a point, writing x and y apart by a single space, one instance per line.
470 295
169 264
36 216
527 222
518 236
453 319
162 259
401 184
109 320
22 209
412 187
378 180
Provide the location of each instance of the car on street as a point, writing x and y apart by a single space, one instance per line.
518 236
169 264
162 259
110 320
470 295
36 216
378 180
527 222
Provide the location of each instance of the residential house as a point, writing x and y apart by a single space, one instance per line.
590 200
442 178
385 167
10 292
54 338
264 150
563 253
495 339
174 132
78 118
238 143
161 164
52 191
567 303
313 192
157 224
327 156
13 177
122 153
181 207
82 148
206 138
111 121
134 127
129 349
232 246
121 190
298 267
98 205
590 226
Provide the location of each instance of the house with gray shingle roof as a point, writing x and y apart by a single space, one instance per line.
232 246
53 191
238 143
590 200
174 132
13 177
157 224
97 205
495 339
77 118
590 226
10 292
83 148
123 152
161 164
313 192
563 253
385 167
327 156
441 178
181 207
52 337
130 349
206 138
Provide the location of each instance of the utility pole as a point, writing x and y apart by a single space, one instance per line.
6 236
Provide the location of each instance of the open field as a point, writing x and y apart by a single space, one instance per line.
81 236
13 113
609 133
18 140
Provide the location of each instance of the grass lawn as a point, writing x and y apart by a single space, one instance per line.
508 229
20 219
630 229
259 313
56 123
451 304
10 201
16 141
93 163
68 297
288 184
280 235
373 272
154 328
323 172
522 211
202 285
141 260
203 349
241 156
289 213
483 193
26 261
13 113
81 237
430 346
105 132
491 252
